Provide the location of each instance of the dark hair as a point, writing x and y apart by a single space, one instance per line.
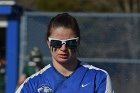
63 20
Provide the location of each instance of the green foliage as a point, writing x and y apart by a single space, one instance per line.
79 5
64 5
82 5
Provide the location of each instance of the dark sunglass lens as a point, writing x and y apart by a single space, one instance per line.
71 43
56 43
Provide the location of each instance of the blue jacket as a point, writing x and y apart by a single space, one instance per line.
85 79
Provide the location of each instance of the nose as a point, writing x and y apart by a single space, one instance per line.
63 47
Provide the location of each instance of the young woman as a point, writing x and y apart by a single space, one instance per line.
66 74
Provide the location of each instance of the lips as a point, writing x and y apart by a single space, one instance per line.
64 56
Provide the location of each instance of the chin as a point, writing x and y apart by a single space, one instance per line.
63 61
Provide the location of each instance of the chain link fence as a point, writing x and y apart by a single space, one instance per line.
109 41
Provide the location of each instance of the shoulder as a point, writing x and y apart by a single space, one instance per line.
100 77
38 74
41 72
35 78
95 70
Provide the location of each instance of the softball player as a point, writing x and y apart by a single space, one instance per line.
66 74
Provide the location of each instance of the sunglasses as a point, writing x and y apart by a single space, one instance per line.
57 43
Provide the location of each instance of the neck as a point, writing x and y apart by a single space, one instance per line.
66 68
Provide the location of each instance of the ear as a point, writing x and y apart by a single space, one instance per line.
48 43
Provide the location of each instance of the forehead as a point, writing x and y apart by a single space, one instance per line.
62 32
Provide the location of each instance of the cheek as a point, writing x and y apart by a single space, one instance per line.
54 51
73 51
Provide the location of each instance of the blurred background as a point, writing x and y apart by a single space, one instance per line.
110 37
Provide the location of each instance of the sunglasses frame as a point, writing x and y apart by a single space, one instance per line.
64 41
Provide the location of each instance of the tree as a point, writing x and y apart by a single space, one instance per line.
83 5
